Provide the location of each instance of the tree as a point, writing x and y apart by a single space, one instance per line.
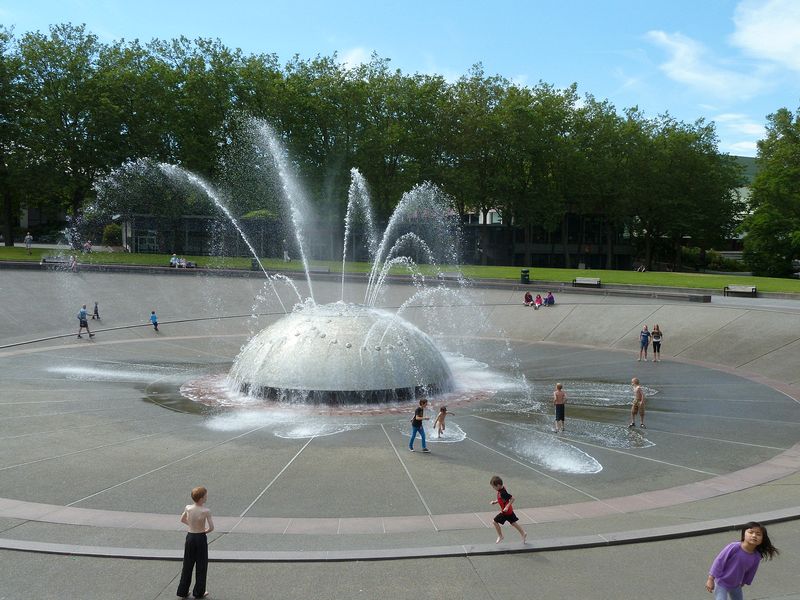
12 150
772 231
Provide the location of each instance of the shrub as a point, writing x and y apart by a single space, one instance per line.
112 235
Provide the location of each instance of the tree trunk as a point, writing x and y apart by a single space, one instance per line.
609 244
648 251
77 201
9 213
565 240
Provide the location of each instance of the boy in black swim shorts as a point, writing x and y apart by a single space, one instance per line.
506 514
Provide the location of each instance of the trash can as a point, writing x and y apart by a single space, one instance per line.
525 276
254 266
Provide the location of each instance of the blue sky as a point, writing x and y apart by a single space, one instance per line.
730 61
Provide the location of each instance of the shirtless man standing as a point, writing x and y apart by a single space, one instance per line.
638 403
195 552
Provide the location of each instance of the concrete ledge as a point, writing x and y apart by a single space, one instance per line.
540 545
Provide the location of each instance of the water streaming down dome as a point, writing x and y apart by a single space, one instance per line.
340 354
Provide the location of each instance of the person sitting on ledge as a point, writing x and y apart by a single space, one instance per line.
538 302
549 299
528 299
173 261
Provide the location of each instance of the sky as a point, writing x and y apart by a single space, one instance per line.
732 62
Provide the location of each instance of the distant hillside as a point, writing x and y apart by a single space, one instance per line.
750 166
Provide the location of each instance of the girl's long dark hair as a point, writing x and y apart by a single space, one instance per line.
765 548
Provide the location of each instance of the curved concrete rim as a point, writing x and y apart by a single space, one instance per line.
541 545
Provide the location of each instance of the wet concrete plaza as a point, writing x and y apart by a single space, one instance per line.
100 447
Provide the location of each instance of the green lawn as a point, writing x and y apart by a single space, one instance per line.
687 280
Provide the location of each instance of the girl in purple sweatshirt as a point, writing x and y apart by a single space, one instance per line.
738 562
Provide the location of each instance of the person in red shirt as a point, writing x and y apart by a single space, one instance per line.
506 514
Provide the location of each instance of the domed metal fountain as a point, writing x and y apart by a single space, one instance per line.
340 353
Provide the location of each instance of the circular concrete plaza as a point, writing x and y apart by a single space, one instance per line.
99 447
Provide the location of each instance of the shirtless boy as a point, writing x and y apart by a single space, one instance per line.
438 424
638 403
195 552
559 399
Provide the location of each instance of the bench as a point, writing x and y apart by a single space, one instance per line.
454 275
586 282
55 260
313 269
747 290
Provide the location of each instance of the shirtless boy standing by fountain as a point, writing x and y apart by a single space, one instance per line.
195 551
638 403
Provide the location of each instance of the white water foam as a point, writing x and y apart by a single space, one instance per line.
547 451
318 429
147 374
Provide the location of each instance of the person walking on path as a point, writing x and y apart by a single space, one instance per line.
416 425
195 550
638 404
154 319
83 322
657 335
644 342
559 400
506 514
96 313
737 563
73 263
28 242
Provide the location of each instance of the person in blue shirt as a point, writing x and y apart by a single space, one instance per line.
83 322
644 342
154 319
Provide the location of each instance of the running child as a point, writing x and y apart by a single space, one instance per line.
195 550
506 514
738 562
96 313
154 320
438 424
559 399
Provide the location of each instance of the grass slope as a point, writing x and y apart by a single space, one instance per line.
685 280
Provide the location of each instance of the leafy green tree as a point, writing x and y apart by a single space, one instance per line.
13 155
772 231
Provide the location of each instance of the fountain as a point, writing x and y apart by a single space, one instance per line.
341 353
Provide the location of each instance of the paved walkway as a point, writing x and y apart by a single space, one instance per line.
94 461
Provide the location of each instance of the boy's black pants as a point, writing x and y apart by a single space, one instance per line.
195 553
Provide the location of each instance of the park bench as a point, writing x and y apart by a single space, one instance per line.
318 269
747 290
454 275
586 282
55 260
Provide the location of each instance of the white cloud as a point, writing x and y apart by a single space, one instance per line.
354 57
769 30
740 123
520 80
740 148
689 63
